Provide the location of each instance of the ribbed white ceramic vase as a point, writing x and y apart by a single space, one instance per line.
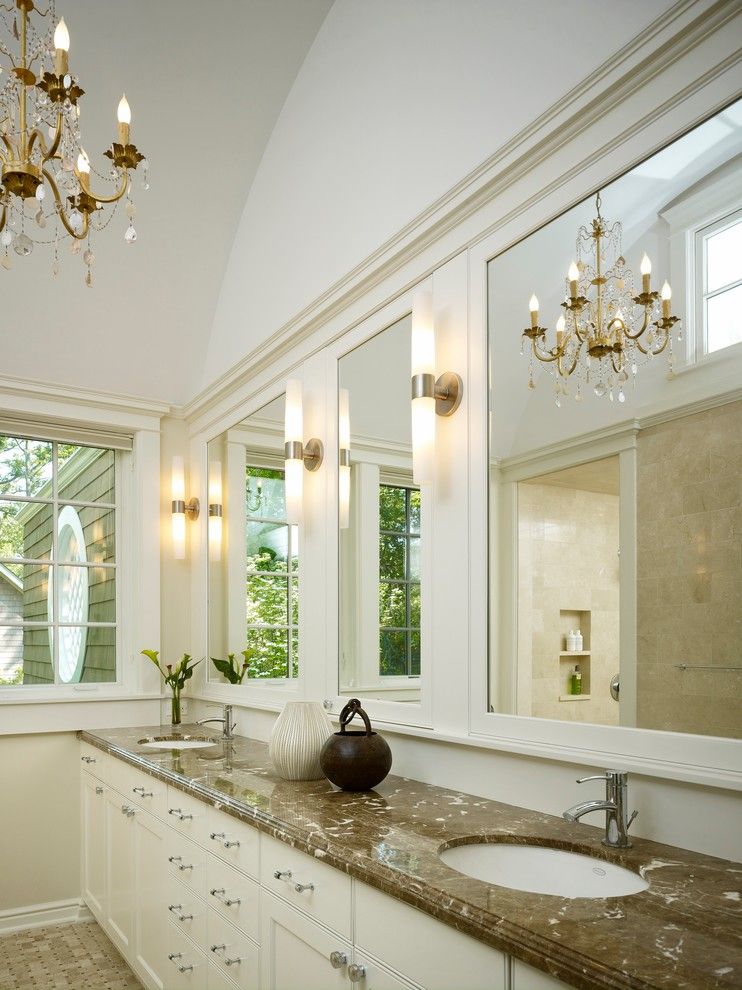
297 739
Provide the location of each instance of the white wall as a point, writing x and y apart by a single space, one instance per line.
40 820
394 104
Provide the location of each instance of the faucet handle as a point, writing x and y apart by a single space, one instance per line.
631 819
593 776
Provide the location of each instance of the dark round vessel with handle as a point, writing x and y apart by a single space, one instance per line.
355 760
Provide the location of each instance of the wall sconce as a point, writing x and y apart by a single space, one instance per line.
431 397
181 508
215 511
344 457
298 454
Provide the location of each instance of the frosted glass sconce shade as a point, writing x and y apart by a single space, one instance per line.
298 455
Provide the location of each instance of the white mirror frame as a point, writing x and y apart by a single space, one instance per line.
681 756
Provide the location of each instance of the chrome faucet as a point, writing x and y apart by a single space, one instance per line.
617 823
226 720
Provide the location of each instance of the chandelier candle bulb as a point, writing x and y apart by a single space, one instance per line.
83 163
560 331
666 297
124 119
62 48
573 275
422 358
646 270
533 307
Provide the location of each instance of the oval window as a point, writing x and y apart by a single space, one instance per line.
73 596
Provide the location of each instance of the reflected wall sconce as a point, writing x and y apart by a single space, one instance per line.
431 396
298 455
344 457
181 508
215 511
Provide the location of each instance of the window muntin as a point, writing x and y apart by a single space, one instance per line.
272 577
58 588
719 255
399 581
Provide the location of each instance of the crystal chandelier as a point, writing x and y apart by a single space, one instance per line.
606 331
41 149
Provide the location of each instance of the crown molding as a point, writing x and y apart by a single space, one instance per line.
670 37
14 392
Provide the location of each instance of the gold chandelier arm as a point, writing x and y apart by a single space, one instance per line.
560 367
85 186
639 333
3 216
61 211
547 357
660 349
8 145
36 135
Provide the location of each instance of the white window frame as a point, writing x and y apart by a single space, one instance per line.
700 289
53 563
688 219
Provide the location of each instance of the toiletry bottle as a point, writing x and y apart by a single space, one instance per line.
571 641
578 641
576 681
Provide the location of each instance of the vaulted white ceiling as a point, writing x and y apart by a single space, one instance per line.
206 82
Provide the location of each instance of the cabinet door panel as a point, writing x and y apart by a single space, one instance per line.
119 872
523 977
187 966
94 845
150 919
186 911
185 861
234 896
295 951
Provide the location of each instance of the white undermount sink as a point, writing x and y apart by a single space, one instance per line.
542 870
177 742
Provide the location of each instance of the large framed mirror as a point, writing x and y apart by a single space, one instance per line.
381 523
615 476
254 553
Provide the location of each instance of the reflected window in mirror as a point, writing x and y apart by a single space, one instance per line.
380 579
616 526
254 578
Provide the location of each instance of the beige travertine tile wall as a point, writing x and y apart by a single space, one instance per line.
689 564
568 559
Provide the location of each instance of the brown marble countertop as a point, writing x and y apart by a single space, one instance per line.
683 932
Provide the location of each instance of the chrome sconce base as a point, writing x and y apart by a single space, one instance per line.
191 508
312 452
447 390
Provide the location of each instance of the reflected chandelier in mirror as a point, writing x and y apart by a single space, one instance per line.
603 336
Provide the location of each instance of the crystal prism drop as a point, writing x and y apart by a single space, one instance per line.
40 192
88 257
55 269
6 238
621 396
89 279
40 219
131 210
6 262
531 384
75 247
600 390
23 245
131 235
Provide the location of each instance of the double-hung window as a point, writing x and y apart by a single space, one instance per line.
399 581
272 577
58 562
718 256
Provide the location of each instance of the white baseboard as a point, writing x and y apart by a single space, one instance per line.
41 915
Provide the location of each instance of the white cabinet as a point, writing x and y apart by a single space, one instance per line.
94 845
119 832
524 977
149 881
195 898
297 953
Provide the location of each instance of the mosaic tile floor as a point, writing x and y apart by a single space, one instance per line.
64 957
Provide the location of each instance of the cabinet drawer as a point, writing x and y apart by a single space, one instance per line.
234 896
187 966
145 791
217 980
94 760
233 841
421 949
187 912
314 887
186 862
236 955
186 814
376 977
